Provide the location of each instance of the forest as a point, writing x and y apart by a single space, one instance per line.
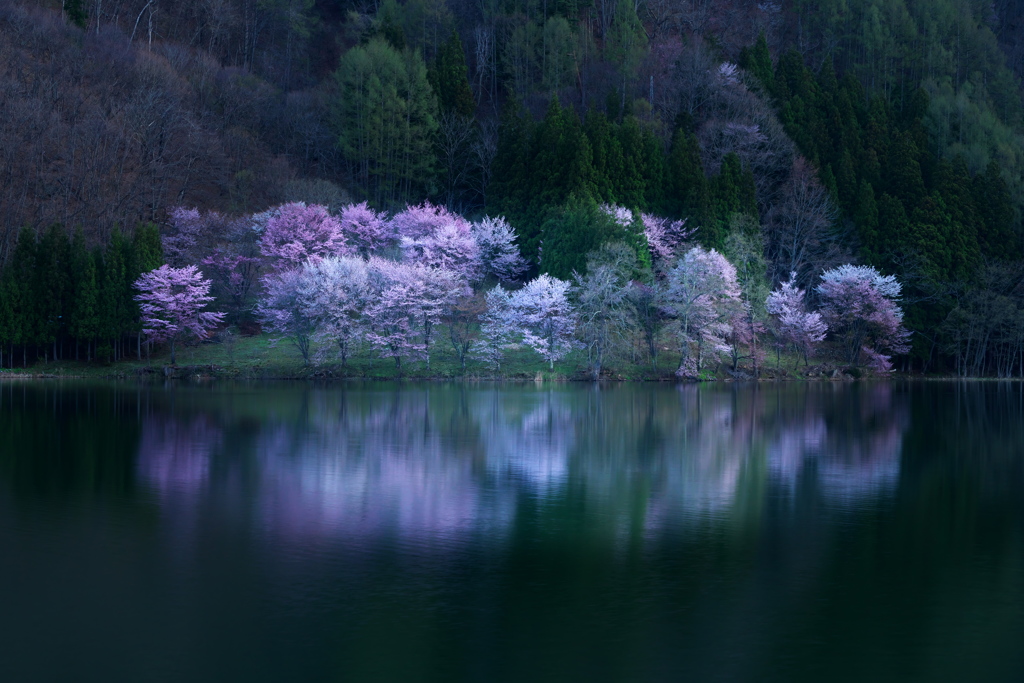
717 180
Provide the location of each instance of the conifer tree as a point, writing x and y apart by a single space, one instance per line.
111 292
686 186
507 191
865 217
629 185
83 323
995 209
758 61
904 178
571 233
75 10
606 155
449 78
50 284
22 270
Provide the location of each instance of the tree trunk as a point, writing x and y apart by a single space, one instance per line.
173 356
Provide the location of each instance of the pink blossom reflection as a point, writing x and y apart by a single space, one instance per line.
174 454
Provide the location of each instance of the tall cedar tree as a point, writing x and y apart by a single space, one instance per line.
449 78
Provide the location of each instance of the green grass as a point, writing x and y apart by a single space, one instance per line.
235 356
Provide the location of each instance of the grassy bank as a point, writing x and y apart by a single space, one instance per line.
233 356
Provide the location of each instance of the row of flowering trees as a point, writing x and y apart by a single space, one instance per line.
335 284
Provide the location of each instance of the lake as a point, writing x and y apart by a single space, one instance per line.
862 531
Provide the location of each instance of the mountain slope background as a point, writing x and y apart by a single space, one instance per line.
882 131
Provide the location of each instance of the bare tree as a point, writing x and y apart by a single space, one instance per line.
455 138
800 231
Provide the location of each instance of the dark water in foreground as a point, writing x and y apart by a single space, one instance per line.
811 532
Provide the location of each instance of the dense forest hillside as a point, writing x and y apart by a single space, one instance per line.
796 136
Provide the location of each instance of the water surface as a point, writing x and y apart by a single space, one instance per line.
786 532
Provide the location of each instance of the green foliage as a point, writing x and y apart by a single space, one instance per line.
626 44
687 193
388 24
448 77
572 232
758 61
83 321
75 11
50 283
147 249
385 118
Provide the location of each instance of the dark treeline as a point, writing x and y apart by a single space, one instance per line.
59 299
884 131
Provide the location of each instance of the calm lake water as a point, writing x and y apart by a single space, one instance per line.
286 532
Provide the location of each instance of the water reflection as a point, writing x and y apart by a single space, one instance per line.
447 461
512 533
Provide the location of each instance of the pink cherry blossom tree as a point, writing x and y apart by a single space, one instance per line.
861 308
283 309
365 228
794 325
419 221
450 246
172 301
409 301
665 237
334 292
499 254
299 232
702 295
547 317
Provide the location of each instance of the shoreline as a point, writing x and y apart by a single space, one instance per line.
206 373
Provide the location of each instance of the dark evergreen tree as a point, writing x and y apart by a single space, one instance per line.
865 217
572 232
83 324
449 77
687 193
50 284
995 211
21 270
75 10
630 186
758 61
508 192
606 155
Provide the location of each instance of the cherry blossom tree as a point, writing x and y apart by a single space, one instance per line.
702 294
186 228
419 221
619 214
438 290
172 301
500 328
226 249
334 292
499 254
547 318
462 318
450 246
410 300
283 309
647 315
601 303
793 323
367 229
393 312
299 232
861 307
665 236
